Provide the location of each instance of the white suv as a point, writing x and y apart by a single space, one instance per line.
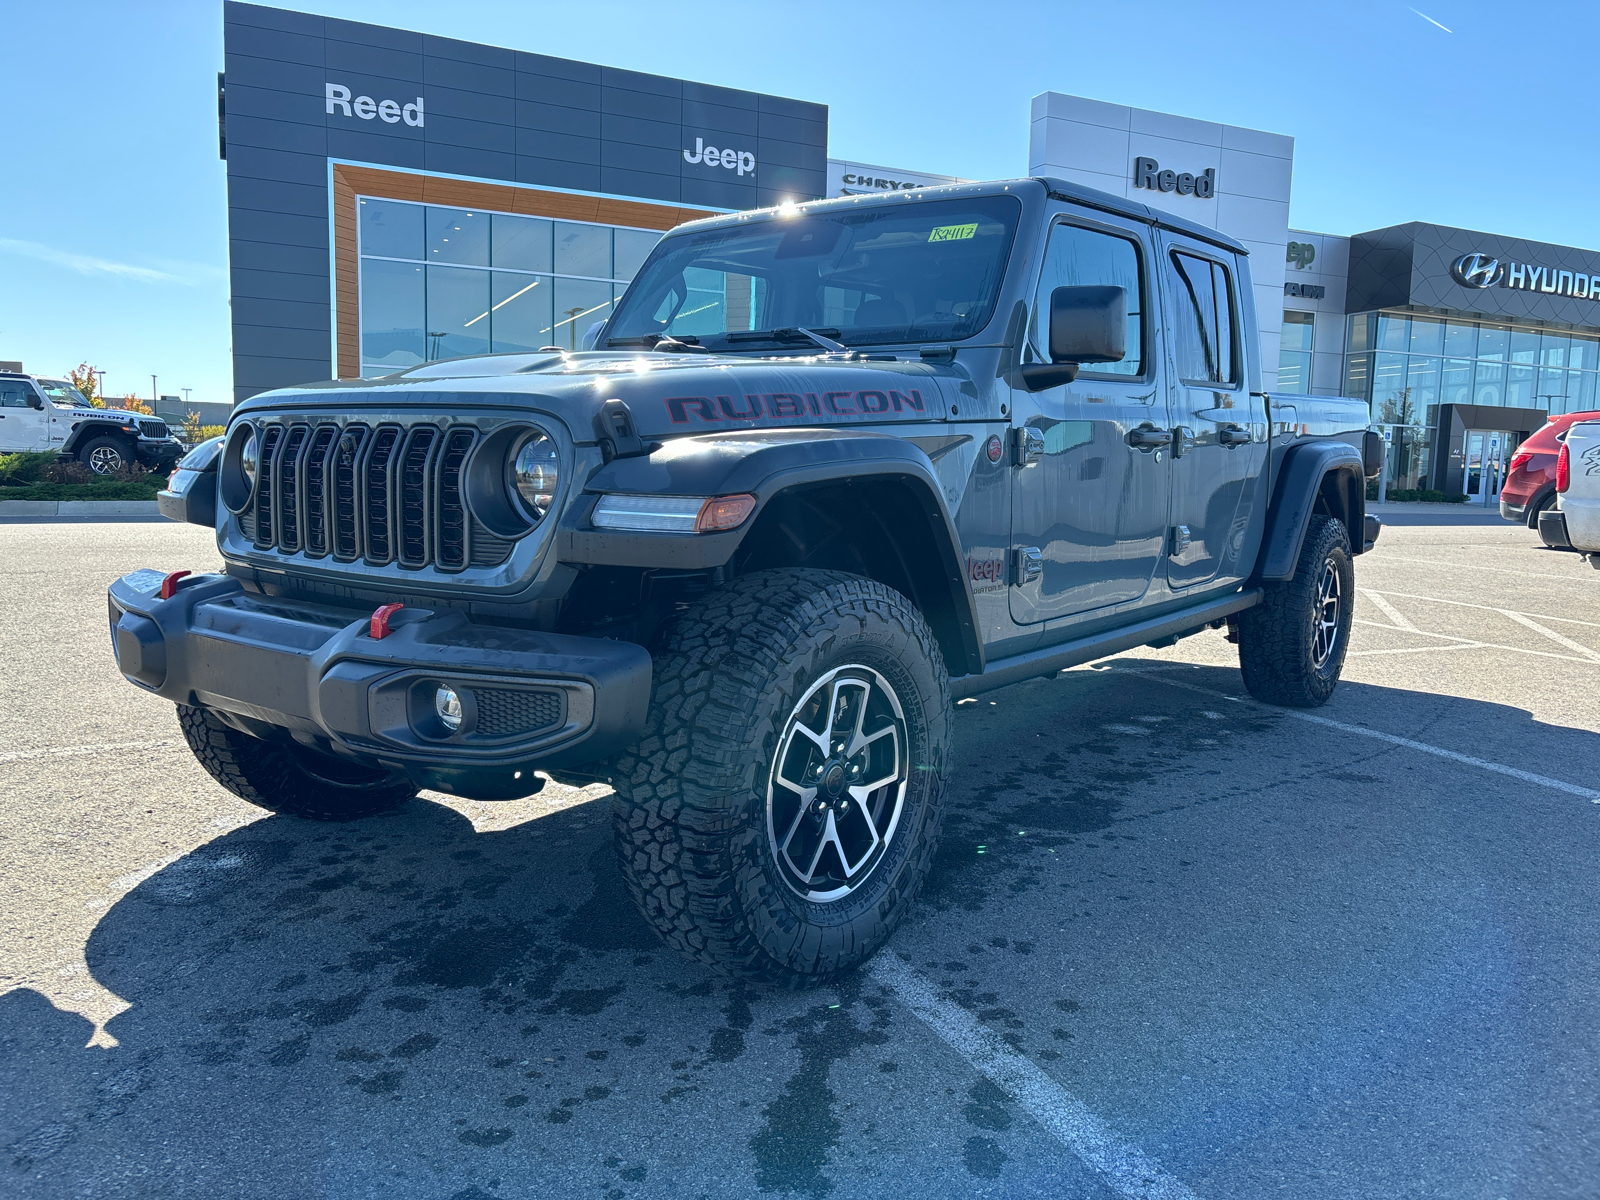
1574 523
51 414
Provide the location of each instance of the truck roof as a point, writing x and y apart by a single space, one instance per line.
1057 189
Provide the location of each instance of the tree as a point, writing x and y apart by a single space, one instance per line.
1398 409
85 379
132 403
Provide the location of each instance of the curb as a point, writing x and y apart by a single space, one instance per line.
79 508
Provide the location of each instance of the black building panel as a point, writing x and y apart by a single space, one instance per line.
268 195
282 314
486 113
380 61
619 181
557 118
265 256
541 143
280 285
556 173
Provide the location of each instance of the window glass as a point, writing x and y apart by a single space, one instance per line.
1388 379
1203 319
1394 333
458 312
1520 387
1427 336
583 250
1456 381
62 394
579 303
631 248
1582 354
392 307
1357 377
1553 349
14 394
456 235
390 228
1078 257
520 318
1552 393
1524 345
521 243
1490 383
1298 330
1460 339
1358 335
1422 380
1581 391
870 276
1493 341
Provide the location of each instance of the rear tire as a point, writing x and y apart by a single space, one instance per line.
725 809
287 778
1292 645
1542 504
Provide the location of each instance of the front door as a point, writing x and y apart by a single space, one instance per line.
22 427
1487 452
1089 501
1219 434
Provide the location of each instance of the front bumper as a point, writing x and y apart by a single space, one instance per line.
530 699
158 454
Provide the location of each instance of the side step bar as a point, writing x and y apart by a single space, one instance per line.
1050 659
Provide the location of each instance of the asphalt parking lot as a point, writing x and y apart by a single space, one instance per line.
1177 944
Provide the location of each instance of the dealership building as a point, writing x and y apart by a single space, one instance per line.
396 197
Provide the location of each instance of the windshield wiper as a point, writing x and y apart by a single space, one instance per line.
688 344
793 333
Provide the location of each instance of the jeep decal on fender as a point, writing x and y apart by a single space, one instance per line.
684 409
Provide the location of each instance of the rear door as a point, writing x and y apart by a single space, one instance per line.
22 427
1219 435
1090 504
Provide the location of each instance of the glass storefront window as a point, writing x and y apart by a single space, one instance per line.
474 282
1553 349
1460 339
1456 382
1583 355
1520 381
1525 345
1427 337
391 230
1493 341
1357 376
1490 384
1552 393
520 243
1294 353
1358 333
1394 332
1388 380
1583 399
458 236
392 305
1422 382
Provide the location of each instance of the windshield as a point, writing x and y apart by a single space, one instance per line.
916 272
62 394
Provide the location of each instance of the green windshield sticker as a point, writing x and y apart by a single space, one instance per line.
952 233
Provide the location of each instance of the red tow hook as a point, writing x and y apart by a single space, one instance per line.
169 585
380 619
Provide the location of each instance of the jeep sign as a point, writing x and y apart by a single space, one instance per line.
742 161
391 112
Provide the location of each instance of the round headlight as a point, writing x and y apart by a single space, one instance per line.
249 458
535 472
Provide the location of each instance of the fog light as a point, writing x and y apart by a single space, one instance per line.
448 705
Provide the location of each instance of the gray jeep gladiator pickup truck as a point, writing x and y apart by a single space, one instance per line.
827 468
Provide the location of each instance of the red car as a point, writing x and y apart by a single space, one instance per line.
1530 485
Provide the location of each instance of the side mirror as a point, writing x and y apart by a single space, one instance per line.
1087 325
36 401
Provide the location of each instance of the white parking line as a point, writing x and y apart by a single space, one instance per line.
1484 607
1485 764
1555 637
1389 610
1124 1167
1462 643
74 751
1415 649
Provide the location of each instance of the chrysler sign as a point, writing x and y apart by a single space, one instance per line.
1487 271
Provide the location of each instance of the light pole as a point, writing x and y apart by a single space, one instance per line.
152 393
186 392
101 385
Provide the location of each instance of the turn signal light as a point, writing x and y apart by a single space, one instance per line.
1563 469
1520 459
724 512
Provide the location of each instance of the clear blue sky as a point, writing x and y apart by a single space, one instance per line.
113 227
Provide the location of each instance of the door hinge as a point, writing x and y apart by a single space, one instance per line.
1027 564
1181 539
1027 446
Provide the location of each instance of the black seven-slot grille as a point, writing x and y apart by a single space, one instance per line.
153 429
376 494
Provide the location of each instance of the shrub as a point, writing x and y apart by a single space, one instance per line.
24 468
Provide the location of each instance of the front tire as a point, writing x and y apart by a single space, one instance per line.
782 809
1292 645
106 456
287 778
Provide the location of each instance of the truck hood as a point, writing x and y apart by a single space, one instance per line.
672 394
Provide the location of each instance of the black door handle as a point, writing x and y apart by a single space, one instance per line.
1148 437
1232 435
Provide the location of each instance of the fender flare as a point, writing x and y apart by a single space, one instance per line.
87 430
767 464
1294 499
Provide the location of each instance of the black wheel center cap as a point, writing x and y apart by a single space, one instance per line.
833 779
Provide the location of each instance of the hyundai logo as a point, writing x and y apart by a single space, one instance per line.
1477 270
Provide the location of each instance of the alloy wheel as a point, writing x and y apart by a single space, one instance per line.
103 460
838 783
1325 616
